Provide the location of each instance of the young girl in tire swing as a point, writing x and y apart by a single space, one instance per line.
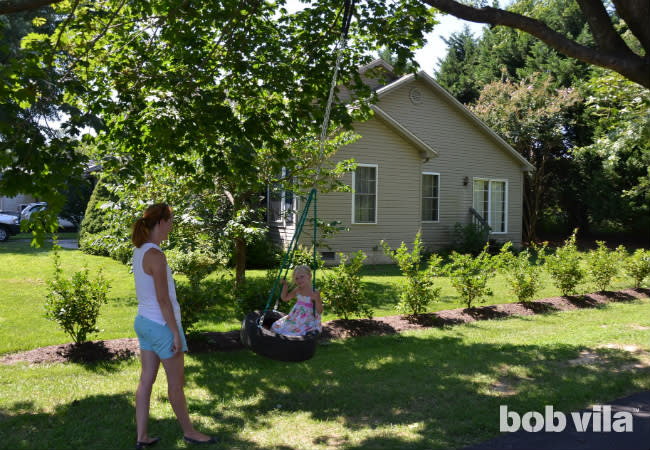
305 316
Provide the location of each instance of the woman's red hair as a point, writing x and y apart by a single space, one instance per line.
151 217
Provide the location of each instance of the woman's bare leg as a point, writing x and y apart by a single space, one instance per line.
150 364
175 371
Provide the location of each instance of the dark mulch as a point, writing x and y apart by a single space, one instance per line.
117 349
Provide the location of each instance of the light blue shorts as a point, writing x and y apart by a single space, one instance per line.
156 337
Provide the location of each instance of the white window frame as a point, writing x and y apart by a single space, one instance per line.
489 207
437 199
354 183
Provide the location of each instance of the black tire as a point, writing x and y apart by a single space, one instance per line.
4 234
265 342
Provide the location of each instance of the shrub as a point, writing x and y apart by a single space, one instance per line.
470 238
342 290
262 253
107 243
564 266
603 264
418 289
74 303
93 226
254 294
304 255
637 266
523 276
469 275
193 298
195 264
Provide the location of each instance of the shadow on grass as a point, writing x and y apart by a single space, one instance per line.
380 392
441 391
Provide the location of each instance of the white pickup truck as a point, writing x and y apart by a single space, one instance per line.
9 226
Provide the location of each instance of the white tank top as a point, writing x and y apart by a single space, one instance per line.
145 290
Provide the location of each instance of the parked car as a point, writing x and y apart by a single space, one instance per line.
40 206
9 226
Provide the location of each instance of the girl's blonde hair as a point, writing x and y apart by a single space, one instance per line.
151 217
304 268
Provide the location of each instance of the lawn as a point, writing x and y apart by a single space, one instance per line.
25 271
439 388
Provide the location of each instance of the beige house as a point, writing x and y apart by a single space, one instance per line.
425 162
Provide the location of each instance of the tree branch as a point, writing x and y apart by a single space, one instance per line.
14 6
636 15
600 24
634 67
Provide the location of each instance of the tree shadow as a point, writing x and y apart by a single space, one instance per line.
375 381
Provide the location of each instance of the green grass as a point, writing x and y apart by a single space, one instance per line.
439 388
25 271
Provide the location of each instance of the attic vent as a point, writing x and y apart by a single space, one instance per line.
416 96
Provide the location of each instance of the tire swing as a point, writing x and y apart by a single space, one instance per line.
256 333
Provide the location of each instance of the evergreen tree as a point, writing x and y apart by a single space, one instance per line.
457 71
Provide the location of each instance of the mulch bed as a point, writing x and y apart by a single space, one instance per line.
117 349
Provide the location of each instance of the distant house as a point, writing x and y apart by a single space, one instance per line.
15 204
425 162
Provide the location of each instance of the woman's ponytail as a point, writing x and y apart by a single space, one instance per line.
151 217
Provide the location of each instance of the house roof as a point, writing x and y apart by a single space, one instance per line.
526 166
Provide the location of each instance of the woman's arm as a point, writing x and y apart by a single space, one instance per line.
154 263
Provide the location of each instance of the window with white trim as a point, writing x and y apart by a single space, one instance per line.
281 205
364 196
490 200
430 197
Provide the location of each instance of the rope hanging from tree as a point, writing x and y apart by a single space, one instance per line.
286 262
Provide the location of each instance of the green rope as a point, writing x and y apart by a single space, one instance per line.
315 263
288 257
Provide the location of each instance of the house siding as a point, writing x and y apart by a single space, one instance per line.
398 195
462 149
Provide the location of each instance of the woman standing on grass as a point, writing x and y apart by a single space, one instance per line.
158 324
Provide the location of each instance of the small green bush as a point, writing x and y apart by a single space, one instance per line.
418 289
637 266
195 264
469 275
195 297
603 264
470 238
254 294
564 266
74 303
263 253
524 276
305 256
342 290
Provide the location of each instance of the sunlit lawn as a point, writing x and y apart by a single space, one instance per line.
25 271
438 388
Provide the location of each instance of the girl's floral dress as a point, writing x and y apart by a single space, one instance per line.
302 319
